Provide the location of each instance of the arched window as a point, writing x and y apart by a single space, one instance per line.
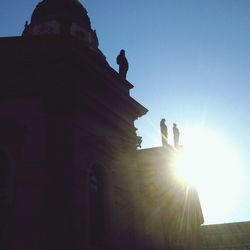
3 189
96 208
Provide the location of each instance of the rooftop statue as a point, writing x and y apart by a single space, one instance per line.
176 135
123 64
164 133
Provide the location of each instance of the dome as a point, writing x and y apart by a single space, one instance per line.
60 9
67 18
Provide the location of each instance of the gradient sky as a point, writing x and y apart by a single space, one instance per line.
189 62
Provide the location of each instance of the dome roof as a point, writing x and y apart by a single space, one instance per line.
58 9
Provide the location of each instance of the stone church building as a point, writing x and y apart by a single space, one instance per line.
71 176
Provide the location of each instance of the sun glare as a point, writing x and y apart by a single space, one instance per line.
213 166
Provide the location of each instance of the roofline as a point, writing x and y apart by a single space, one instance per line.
227 223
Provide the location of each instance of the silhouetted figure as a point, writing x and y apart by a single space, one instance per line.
164 133
176 135
123 64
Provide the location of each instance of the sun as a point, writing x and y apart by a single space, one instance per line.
210 163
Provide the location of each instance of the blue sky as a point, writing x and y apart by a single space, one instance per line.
189 62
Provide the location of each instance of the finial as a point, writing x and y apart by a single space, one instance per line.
26 28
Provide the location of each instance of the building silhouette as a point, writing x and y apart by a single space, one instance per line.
71 176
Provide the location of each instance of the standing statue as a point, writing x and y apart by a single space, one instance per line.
164 133
176 135
123 64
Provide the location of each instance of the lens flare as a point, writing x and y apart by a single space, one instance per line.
210 163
